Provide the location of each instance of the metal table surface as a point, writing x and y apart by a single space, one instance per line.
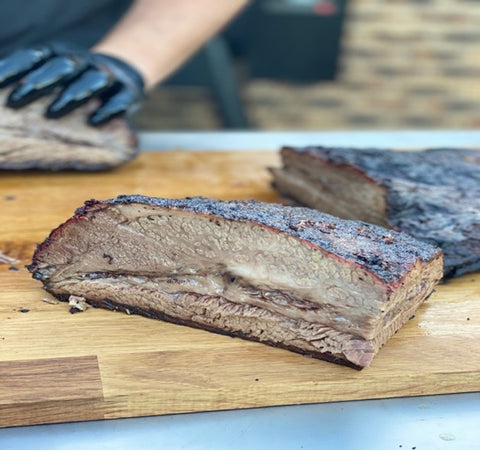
416 423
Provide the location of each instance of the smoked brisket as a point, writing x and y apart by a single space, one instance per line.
290 277
30 141
434 195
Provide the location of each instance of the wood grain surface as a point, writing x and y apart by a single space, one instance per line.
59 367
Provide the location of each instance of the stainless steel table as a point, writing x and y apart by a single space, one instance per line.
433 422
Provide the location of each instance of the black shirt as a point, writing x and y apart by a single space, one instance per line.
83 22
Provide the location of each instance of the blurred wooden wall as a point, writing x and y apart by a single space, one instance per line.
403 64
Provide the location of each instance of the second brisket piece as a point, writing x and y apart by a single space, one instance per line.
434 195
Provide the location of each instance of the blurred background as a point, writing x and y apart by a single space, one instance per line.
330 64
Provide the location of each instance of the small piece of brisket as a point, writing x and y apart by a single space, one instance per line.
434 195
30 141
286 276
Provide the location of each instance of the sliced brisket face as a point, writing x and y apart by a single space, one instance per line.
434 195
30 141
290 277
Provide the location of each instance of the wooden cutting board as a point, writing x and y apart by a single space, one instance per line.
58 367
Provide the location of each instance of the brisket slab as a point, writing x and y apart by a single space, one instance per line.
30 141
434 195
286 276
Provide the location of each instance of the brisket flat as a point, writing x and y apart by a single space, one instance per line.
30 141
286 276
434 195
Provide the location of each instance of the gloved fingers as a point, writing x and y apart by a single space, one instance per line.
90 84
123 72
80 74
114 106
14 66
44 79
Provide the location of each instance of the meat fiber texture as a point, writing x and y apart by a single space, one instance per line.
30 141
287 276
434 195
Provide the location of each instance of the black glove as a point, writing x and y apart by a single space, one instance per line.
81 74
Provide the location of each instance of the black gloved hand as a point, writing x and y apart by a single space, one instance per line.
81 74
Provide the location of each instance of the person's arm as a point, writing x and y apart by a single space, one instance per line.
157 36
152 40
